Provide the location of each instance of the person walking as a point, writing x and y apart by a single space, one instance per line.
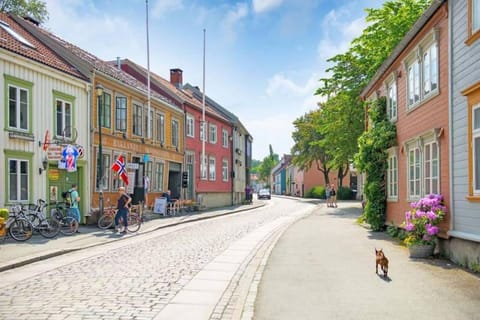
327 195
333 196
122 212
74 211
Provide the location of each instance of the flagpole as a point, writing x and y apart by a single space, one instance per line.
149 129
203 109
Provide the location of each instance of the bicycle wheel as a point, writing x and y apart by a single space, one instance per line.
34 220
49 228
68 226
21 229
134 222
105 221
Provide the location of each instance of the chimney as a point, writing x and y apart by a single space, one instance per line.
119 63
176 77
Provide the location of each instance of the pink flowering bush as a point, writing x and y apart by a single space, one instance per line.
422 220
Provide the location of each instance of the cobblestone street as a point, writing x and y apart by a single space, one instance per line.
137 279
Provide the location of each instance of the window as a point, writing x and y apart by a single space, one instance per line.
148 172
19 104
117 182
121 114
213 133
64 118
160 127
414 83
148 129
211 169
430 70
225 170
392 101
431 170
106 173
190 126
473 21
175 133
137 119
203 167
18 179
422 72
225 138
414 172
158 176
106 111
392 177
202 131
473 139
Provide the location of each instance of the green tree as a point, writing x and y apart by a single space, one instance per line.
308 148
342 121
267 164
36 9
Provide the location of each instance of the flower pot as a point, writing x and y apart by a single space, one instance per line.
421 250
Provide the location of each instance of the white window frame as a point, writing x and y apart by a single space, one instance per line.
392 176
422 68
175 132
225 170
19 195
212 133
190 126
475 156
66 118
137 128
224 138
19 105
414 172
392 100
212 174
160 127
431 168
475 16
203 126
203 167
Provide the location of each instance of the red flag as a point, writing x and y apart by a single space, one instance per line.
119 167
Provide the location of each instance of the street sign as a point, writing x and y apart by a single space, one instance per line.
132 165
54 152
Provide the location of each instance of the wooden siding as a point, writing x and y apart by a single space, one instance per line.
44 82
465 73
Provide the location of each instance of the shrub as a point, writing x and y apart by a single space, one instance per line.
317 192
344 193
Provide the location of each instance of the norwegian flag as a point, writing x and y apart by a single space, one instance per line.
119 167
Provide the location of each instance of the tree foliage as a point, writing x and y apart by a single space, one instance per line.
308 148
342 115
36 9
267 165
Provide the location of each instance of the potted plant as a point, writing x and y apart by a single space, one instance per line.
421 225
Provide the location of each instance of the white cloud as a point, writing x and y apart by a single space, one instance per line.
281 85
260 6
233 18
161 7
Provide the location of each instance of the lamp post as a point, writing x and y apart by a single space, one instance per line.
99 90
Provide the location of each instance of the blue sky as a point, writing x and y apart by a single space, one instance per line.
263 57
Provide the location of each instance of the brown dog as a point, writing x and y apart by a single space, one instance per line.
382 261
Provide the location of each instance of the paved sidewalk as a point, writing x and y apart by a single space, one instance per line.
15 254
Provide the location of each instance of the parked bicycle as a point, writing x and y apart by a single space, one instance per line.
68 224
17 226
47 226
107 219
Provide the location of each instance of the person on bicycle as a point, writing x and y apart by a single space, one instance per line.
122 206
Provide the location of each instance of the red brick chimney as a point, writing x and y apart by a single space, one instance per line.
176 77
